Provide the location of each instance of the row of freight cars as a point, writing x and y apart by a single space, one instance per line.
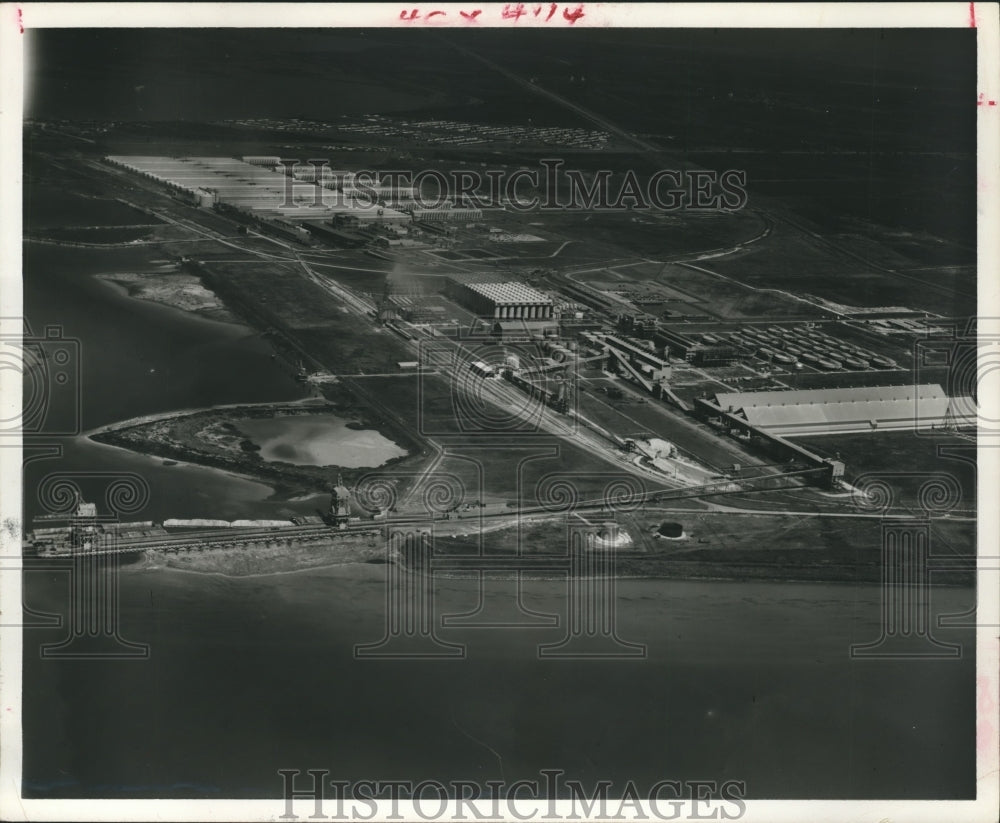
794 345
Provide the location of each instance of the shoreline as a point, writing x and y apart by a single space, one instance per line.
157 417
280 573
174 290
707 553
728 565
191 464
697 576
286 480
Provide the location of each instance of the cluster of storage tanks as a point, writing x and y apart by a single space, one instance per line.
559 352
794 346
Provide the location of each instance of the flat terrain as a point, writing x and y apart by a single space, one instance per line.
908 461
732 545
829 234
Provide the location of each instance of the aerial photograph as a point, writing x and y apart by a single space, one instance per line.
504 414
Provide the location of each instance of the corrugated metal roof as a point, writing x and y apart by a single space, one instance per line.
825 416
828 410
792 397
509 292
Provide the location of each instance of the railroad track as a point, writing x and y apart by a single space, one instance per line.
219 539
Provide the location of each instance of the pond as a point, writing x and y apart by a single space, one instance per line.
319 440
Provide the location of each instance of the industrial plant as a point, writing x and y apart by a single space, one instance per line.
676 396
525 406
562 343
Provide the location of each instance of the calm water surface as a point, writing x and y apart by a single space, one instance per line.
319 440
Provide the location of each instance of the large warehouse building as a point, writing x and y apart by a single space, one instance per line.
255 186
503 301
840 411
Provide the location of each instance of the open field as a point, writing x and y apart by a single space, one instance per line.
728 545
851 270
723 298
906 460
655 234
280 298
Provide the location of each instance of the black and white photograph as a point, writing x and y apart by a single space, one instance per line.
505 411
